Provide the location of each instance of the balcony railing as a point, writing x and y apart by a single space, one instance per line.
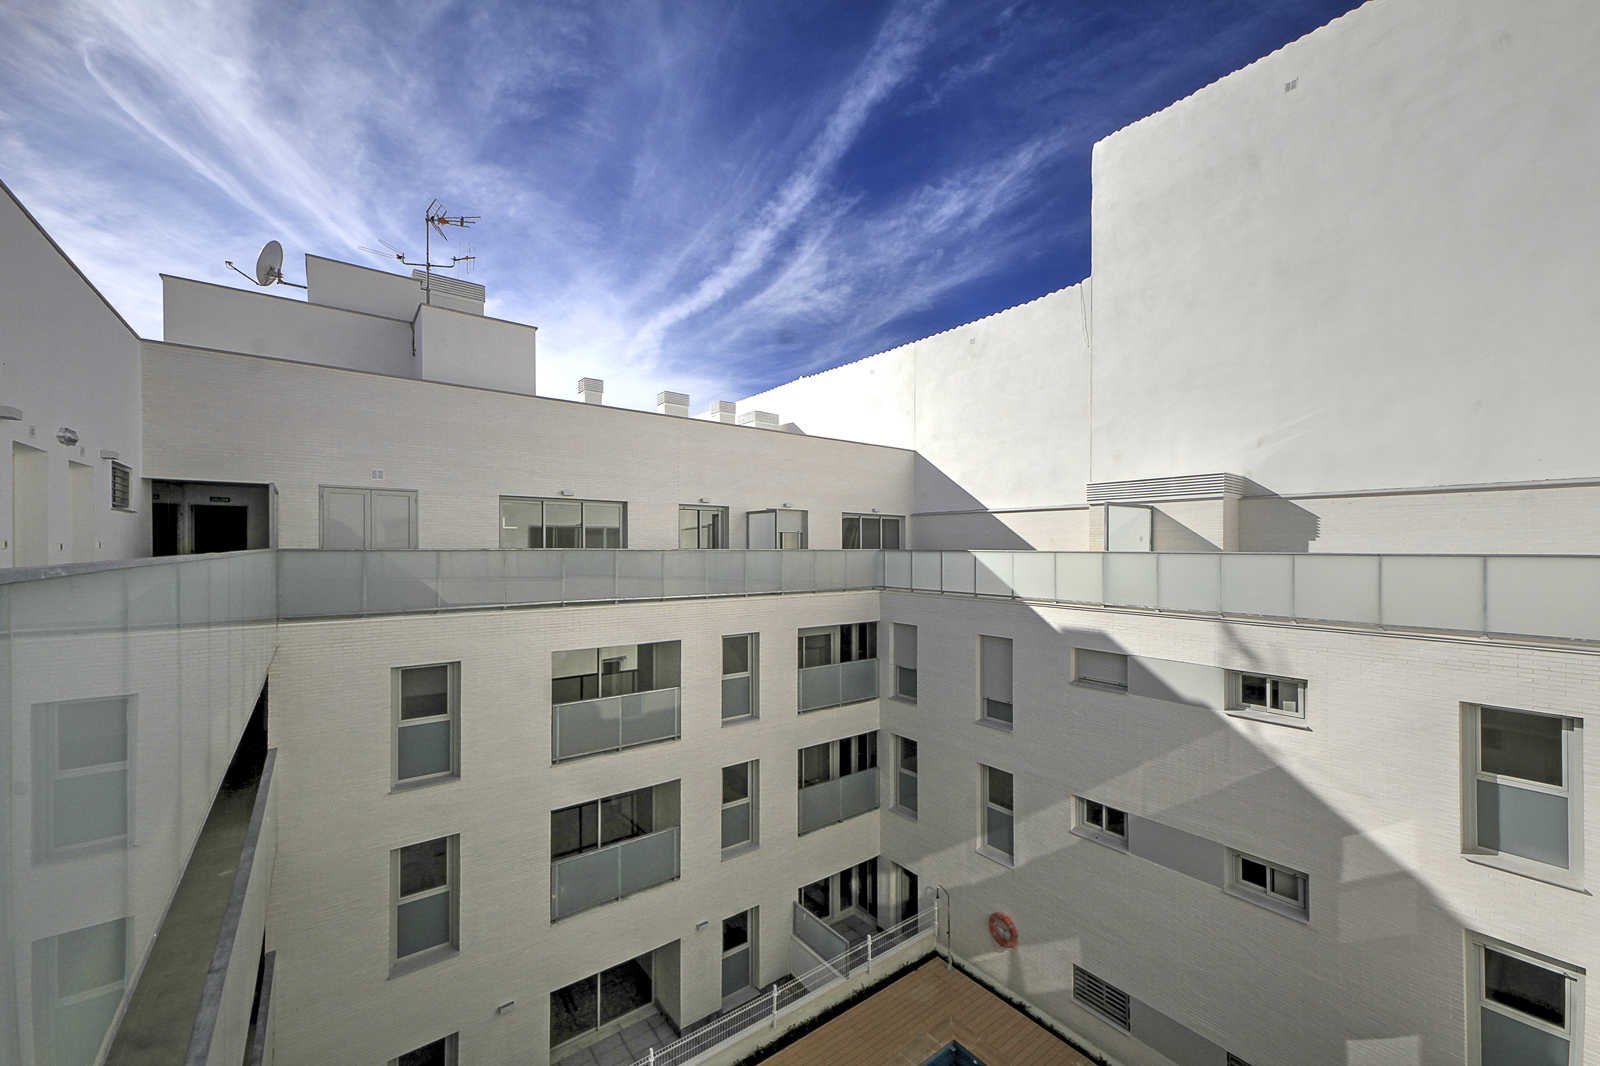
613 723
838 684
618 870
816 934
837 800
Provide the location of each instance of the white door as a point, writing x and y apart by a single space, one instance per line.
394 520
344 518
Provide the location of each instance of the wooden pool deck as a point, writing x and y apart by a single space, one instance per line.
905 1023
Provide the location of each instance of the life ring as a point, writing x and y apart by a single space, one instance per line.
1003 929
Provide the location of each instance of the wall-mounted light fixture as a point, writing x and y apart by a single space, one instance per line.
66 436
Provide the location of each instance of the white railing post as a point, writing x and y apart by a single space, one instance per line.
774 1005
652 1057
869 954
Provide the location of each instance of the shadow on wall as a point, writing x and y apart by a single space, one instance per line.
1270 523
1174 760
971 527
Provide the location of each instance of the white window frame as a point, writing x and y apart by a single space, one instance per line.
1079 661
993 684
1572 792
985 806
752 787
905 639
794 539
900 772
752 661
1478 999
899 536
401 964
48 773
1086 824
397 725
1273 901
583 525
720 525
451 1052
752 922
1275 684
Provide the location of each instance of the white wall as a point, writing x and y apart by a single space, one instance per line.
461 348
357 288
66 360
1384 277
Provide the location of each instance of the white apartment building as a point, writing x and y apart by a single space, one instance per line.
1225 626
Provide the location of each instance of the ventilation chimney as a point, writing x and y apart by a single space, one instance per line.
673 403
721 411
759 419
591 389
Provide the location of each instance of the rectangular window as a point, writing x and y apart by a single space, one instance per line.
1527 1007
999 813
738 954
838 665
739 690
871 531
1268 884
905 781
739 804
837 780
702 527
610 699
994 680
1524 769
603 822
1102 997
613 995
441 1052
1100 823
1106 668
1265 694
427 737
778 528
424 878
82 763
835 897
905 662
78 982
120 486
526 522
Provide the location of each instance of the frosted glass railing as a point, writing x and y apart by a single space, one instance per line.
1528 595
837 800
815 934
166 593
613 723
318 584
838 684
618 870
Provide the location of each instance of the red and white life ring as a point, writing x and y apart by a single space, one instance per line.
1003 929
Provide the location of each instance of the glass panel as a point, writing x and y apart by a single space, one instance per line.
574 1010
521 523
424 692
400 581
1523 822
927 571
1508 1042
813 932
649 716
735 972
908 791
816 649
1116 822
891 534
1433 592
422 923
819 687
997 711
1078 577
585 881
1521 745
424 866
1340 588
1286 885
735 697
736 655
735 825
1253 873
1548 597
736 931
392 514
1258 585
624 989
897 570
92 733
1094 813
424 749
1190 582
602 525
735 782
574 829
1130 578
434 1054
908 754
629 815
89 808
858 681
1034 575
851 536
649 860
1536 991
585 728
814 765
1253 690
858 793
87 959
819 806
999 788
561 525
905 682
994 573
814 898
998 830
871 534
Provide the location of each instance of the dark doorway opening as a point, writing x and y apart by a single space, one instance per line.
219 528
164 530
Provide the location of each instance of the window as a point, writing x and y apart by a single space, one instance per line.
441 1052
120 491
739 657
1105 825
994 680
356 519
739 804
999 814
1264 694
605 849
609 699
837 896
601 823
905 662
82 769
424 877
702 527
778 528
738 953
426 730
1268 884
526 522
837 780
1107 668
78 982
1524 771
871 531
1527 1007
612 995
905 778
1105 999
838 665
1234 1060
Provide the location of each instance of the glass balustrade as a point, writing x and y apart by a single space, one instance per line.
838 684
613 723
838 800
612 872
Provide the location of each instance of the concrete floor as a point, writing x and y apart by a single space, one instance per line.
628 1046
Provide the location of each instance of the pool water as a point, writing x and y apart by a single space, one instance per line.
953 1054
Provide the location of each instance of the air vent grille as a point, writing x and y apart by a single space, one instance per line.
1107 1000
467 290
1191 487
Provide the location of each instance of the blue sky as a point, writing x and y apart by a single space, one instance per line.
708 196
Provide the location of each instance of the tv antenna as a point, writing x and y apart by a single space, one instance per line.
269 267
434 220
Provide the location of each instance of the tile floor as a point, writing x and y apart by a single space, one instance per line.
628 1046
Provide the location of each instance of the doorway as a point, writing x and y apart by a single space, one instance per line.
202 517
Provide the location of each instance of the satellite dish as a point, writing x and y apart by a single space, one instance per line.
269 264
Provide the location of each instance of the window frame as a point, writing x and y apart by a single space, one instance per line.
1085 825
750 800
451 1050
1240 709
1479 1001
397 725
583 525
800 538
905 639
47 773
1267 898
987 684
719 524
752 672
403 964
1078 677
1572 876
899 806
985 805
752 925
860 519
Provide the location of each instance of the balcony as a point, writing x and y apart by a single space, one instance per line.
613 723
595 877
838 684
838 800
